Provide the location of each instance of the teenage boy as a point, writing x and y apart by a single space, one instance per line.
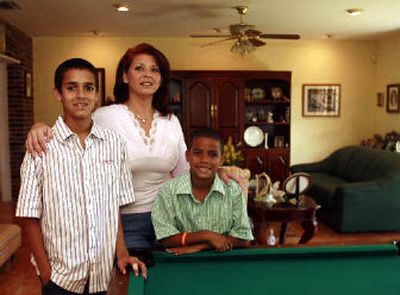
70 197
197 210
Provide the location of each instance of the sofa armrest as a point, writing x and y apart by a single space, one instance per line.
368 205
308 168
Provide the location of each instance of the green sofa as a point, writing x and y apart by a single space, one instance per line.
358 189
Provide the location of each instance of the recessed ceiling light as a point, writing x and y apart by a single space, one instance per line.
95 33
121 7
354 11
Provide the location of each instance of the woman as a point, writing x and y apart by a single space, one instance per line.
156 146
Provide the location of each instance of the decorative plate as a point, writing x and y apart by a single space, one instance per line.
276 93
398 146
290 184
258 93
253 136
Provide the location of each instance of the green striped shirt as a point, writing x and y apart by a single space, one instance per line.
223 210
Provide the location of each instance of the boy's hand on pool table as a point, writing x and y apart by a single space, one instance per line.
133 262
219 242
188 249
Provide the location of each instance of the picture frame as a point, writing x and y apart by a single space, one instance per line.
392 98
380 99
28 84
321 100
101 73
279 141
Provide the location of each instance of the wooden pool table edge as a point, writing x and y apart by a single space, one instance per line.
137 284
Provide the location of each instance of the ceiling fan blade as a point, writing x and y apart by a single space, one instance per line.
256 42
209 36
218 41
280 36
253 33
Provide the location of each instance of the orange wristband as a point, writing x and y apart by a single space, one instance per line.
183 239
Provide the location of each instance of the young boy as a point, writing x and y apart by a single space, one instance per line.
70 197
197 210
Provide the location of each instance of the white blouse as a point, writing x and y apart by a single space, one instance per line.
153 159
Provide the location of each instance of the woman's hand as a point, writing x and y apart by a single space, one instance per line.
39 135
227 175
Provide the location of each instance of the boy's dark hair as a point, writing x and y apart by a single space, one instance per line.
121 89
208 133
74 63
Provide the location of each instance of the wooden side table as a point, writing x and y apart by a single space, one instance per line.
284 213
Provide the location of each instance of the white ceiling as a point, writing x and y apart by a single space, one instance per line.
308 18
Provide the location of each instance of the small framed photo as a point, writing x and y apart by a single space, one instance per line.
28 84
279 141
392 98
321 100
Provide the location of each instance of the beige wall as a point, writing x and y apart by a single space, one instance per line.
388 72
344 62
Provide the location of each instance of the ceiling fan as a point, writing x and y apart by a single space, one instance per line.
246 36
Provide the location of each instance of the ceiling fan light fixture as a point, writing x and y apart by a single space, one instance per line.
242 47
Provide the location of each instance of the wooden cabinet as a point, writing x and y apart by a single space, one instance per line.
232 101
278 164
256 160
274 162
211 99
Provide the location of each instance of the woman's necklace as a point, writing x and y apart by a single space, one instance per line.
141 119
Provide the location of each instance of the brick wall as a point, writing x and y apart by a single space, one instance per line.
20 107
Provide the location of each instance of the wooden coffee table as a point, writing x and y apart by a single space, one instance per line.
284 213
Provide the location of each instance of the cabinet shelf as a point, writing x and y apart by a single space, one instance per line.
266 102
266 123
262 149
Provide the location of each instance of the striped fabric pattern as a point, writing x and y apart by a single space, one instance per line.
223 211
76 193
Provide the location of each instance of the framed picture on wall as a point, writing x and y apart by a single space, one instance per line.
321 100
392 98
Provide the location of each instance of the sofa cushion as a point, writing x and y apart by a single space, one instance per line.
362 164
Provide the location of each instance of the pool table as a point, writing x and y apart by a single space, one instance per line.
367 269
